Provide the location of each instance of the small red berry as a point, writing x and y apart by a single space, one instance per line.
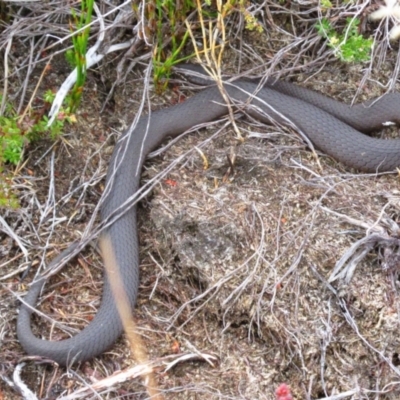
283 392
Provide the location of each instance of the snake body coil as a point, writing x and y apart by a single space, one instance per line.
331 126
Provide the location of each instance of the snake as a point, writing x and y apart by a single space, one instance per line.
335 128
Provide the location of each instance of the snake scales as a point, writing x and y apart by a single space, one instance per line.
331 126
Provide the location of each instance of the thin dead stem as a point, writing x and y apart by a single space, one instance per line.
138 348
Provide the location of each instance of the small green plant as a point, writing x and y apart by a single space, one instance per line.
326 4
11 138
252 23
77 57
166 19
348 46
70 57
8 198
16 131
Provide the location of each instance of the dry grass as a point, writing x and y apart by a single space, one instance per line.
235 295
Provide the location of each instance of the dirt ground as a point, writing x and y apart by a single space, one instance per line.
235 258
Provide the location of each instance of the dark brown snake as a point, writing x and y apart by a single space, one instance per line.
331 126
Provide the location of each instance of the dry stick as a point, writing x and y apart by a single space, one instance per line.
3 101
20 119
125 312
